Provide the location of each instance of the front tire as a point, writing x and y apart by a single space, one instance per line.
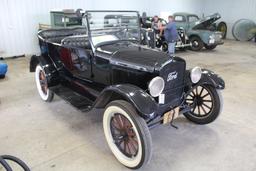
42 86
197 43
165 47
127 134
206 103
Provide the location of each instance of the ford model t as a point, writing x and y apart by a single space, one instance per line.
103 66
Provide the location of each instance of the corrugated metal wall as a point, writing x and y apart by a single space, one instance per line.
172 6
231 11
19 20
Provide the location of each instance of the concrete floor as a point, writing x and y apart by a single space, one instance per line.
56 137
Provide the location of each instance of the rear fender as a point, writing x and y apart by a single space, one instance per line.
48 67
142 101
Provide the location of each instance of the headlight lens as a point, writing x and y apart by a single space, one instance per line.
156 86
196 74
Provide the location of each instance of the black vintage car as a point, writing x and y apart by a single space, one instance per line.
105 67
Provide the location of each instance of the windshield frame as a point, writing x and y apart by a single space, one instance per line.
86 14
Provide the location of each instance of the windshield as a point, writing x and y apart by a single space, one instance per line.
107 26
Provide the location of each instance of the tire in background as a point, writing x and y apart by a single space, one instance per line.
222 27
197 43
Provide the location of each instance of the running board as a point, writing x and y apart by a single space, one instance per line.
80 102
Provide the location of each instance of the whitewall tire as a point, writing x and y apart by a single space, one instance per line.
127 134
41 84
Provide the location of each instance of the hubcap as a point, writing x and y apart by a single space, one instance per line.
201 101
43 82
195 43
124 135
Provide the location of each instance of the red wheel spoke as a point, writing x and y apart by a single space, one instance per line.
123 135
116 123
125 146
134 144
128 147
120 121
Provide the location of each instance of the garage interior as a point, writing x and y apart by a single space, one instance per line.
55 136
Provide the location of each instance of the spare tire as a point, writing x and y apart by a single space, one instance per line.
242 30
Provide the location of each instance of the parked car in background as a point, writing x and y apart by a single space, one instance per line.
66 18
156 40
104 66
200 31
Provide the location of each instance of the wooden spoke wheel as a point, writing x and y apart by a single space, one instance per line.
206 104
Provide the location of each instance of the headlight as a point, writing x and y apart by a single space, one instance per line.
196 74
156 86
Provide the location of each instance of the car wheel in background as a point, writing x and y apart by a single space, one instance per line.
41 84
222 27
197 43
165 47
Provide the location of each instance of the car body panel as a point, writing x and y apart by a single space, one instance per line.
200 27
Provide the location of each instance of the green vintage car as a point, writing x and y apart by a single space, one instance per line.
201 32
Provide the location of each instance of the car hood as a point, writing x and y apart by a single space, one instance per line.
135 56
206 21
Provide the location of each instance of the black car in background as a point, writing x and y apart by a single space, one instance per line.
104 66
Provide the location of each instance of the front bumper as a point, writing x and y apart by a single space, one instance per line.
215 39
220 42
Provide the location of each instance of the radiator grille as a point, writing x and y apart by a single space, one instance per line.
173 75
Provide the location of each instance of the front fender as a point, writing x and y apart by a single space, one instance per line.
202 34
210 78
142 101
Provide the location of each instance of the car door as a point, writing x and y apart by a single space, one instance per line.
192 20
181 21
101 68
76 55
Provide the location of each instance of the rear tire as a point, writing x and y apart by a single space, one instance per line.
197 43
222 27
41 83
127 134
